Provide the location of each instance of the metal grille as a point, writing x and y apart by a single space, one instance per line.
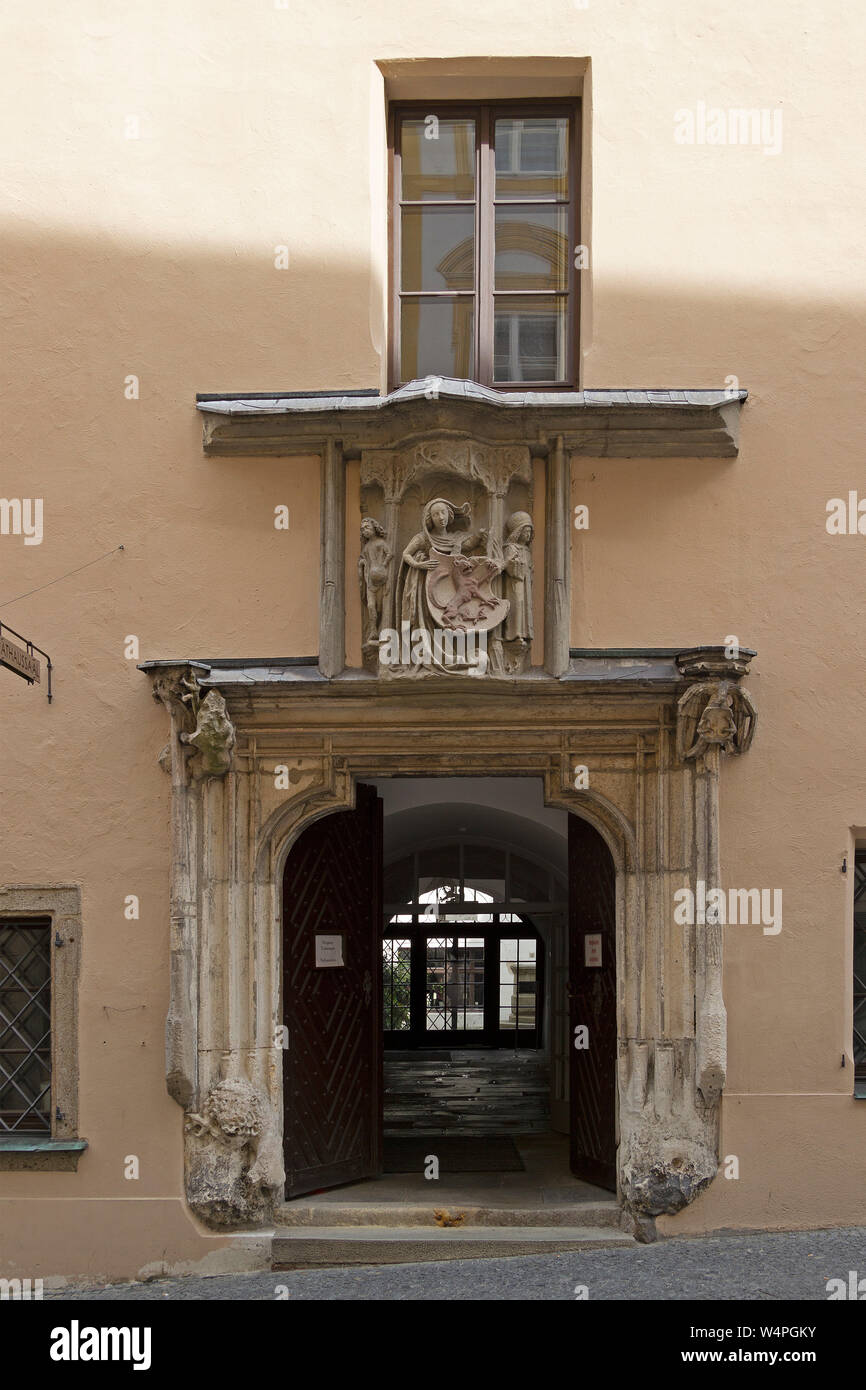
455 983
25 1025
860 965
397 975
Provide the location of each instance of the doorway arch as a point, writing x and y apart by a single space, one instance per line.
527 942
299 754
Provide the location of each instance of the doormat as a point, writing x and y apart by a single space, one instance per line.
457 1153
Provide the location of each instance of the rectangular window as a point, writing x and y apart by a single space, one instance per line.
860 972
484 236
25 1025
40 958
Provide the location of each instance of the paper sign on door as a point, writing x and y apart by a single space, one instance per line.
592 949
329 950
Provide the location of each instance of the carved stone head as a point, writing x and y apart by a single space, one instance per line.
519 529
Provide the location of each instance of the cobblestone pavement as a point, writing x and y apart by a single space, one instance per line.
781 1265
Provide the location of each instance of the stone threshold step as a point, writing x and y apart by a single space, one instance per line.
297 1216
378 1245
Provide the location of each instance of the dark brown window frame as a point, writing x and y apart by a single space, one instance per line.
484 113
492 1034
858 985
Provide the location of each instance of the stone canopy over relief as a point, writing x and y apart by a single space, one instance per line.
446 564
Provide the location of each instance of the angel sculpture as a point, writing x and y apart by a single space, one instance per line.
715 714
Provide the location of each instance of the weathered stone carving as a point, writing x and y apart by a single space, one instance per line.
200 724
445 581
373 572
668 1145
715 714
213 738
450 574
518 590
224 1185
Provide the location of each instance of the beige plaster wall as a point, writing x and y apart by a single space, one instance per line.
155 257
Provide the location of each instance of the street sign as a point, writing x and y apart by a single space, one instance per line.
22 662
22 659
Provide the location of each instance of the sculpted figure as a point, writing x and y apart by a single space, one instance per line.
373 566
715 714
213 738
238 1115
519 532
464 600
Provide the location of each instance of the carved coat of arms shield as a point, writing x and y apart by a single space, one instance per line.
459 593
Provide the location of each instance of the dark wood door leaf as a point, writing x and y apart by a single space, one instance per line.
332 1068
592 1004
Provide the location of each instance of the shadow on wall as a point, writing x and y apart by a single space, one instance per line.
85 315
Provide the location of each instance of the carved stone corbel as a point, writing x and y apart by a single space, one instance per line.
235 1160
213 738
715 714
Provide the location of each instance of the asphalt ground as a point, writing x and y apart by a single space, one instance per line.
795 1265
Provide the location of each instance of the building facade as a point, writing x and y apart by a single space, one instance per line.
434 450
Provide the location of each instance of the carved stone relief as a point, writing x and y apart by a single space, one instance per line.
236 1162
715 714
200 724
441 568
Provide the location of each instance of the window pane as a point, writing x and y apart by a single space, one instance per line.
437 250
529 339
399 881
396 961
25 1026
437 338
532 157
455 984
484 871
439 874
517 982
438 159
531 249
529 882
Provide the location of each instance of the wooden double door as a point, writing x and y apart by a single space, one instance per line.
332 1004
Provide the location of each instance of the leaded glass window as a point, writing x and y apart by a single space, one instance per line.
25 1025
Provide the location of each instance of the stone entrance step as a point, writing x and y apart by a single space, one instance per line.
302 1247
578 1215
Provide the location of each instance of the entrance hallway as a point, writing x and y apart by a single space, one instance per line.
546 1187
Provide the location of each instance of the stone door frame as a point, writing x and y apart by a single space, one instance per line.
293 749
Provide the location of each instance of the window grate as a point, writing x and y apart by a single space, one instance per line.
25 1025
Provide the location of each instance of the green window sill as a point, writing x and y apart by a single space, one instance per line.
35 1153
